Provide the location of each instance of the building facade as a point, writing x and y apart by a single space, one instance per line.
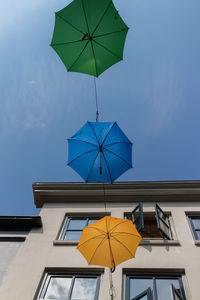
167 261
13 233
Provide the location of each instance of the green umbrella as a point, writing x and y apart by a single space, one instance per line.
89 36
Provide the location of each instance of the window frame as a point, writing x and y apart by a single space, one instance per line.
147 293
190 217
171 238
138 207
153 277
48 275
175 292
63 229
167 224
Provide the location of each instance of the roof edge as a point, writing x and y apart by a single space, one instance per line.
181 190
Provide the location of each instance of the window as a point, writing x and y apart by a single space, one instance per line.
154 288
195 224
151 225
68 287
73 227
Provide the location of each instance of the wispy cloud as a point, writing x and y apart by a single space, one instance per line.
39 94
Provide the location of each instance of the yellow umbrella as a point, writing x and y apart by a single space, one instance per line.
109 241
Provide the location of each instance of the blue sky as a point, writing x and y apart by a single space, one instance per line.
153 94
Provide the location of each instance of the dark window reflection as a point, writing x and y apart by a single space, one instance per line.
160 287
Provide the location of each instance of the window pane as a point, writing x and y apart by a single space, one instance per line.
163 217
163 287
58 288
73 235
139 285
196 223
84 289
165 228
91 221
76 224
144 298
197 234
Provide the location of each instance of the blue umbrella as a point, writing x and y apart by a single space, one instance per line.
100 152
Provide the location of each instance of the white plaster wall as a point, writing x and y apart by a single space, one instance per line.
38 252
8 251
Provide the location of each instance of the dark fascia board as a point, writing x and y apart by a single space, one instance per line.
19 223
146 191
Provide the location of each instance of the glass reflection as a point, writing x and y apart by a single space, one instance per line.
58 288
73 235
163 287
198 235
91 221
139 285
196 223
84 289
77 224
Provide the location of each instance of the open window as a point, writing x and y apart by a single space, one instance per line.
146 295
154 287
163 223
151 225
176 293
136 216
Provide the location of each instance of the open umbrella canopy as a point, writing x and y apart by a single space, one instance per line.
89 36
109 241
100 152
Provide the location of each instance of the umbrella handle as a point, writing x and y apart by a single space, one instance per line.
112 269
100 169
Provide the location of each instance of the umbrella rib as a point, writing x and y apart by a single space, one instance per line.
118 157
126 233
92 167
94 133
97 248
98 229
85 17
72 139
97 36
108 50
107 167
129 143
101 18
78 56
108 132
81 155
122 245
94 237
69 23
65 43
117 225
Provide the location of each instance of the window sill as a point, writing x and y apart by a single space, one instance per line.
197 243
144 242
152 242
12 238
65 243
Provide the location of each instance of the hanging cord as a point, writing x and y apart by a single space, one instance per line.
97 110
112 291
104 198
